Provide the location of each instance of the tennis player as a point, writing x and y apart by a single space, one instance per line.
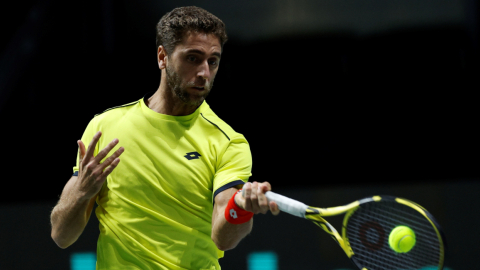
173 200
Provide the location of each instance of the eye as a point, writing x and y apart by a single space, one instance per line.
213 62
191 58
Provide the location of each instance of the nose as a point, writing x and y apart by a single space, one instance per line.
204 70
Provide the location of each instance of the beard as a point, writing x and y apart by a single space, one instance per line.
180 88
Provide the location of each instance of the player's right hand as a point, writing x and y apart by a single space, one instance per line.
253 198
92 172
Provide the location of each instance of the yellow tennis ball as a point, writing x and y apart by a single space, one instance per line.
402 239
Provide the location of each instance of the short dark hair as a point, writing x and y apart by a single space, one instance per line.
175 24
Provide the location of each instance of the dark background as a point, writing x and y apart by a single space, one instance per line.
329 94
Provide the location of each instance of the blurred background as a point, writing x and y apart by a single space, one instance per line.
339 99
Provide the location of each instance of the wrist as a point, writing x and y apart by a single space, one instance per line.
234 214
79 196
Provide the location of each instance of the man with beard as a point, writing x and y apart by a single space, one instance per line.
173 201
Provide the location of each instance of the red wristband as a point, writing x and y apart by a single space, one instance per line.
235 214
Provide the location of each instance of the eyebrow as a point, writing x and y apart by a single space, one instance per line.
219 55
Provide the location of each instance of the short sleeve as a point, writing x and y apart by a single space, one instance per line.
86 139
235 166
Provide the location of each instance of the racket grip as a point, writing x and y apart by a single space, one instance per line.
287 205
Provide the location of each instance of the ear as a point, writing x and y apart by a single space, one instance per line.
161 57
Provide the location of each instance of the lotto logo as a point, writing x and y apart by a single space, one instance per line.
192 155
233 213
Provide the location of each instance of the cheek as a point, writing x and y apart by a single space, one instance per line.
186 75
213 74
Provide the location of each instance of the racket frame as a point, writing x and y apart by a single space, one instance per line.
316 215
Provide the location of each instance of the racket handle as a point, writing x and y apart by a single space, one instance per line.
285 204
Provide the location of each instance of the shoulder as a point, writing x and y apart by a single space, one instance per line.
116 111
110 116
209 117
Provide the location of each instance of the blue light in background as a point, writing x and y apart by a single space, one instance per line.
83 261
424 268
434 268
265 260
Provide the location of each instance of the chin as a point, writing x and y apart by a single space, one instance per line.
197 101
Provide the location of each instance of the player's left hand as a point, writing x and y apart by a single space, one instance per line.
254 199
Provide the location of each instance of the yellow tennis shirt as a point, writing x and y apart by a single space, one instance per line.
155 209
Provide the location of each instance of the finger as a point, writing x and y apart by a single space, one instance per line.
109 169
254 198
102 154
81 155
248 192
274 208
111 158
262 199
81 150
91 146
265 186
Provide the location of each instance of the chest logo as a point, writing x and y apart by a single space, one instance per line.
192 155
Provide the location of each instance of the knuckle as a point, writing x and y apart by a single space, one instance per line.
110 168
90 166
95 173
263 204
108 160
102 153
105 174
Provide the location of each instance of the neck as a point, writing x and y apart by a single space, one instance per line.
164 101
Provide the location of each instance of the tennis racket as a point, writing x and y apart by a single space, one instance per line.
366 228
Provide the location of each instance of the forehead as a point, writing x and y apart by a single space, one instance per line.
208 43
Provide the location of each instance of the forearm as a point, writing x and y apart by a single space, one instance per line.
226 235
68 219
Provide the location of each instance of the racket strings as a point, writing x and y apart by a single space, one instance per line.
406 260
369 227
419 226
423 249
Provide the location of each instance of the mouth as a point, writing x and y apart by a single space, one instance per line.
198 88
